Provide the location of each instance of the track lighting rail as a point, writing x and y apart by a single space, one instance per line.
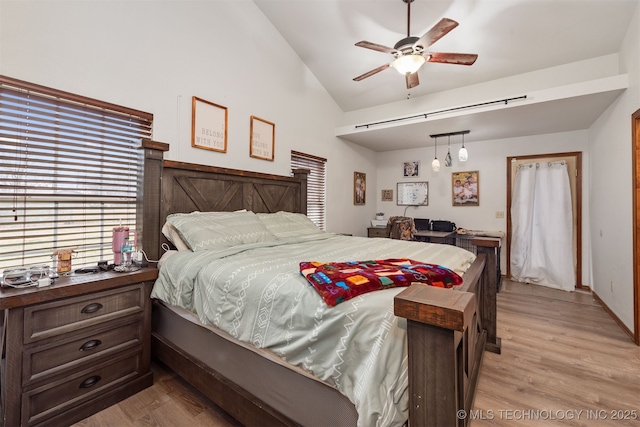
460 132
447 110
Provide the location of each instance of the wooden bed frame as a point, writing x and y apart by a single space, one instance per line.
447 329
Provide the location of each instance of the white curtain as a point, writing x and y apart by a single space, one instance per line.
542 226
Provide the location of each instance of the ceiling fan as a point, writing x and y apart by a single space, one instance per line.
410 52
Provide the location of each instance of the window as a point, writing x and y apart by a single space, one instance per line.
69 171
316 192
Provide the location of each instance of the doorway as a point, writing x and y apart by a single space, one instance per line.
574 165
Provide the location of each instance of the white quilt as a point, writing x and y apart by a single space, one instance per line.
256 293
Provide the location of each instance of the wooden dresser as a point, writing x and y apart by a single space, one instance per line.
74 348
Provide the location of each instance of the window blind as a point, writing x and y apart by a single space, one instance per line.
69 171
316 189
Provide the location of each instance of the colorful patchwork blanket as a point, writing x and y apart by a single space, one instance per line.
339 281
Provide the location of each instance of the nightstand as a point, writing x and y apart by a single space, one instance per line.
377 232
76 347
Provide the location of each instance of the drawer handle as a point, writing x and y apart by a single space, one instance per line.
90 382
90 345
91 308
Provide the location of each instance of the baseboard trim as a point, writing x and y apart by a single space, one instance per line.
614 317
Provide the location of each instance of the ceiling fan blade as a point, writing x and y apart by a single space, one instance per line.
436 33
452 58
372 72
412 80
376 46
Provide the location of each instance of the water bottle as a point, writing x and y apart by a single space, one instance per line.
126 252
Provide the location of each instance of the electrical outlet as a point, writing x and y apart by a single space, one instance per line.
500 214
612 286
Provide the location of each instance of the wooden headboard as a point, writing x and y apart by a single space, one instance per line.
176 187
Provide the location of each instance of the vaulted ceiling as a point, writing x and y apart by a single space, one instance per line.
511 37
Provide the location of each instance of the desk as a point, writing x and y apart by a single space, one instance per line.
469 242
434 236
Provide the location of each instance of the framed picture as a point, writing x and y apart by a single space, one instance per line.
262 138
387 195
465 188
359 188
208 125
411 169
413 194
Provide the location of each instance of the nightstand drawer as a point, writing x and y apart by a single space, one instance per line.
44 361
377 232
44 402
62 316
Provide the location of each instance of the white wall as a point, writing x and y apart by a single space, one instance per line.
611 182
154 56
489 159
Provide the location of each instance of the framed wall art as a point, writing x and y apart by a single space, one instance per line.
411 169
413 194
387 195
359 188
262 138
465 188
208 125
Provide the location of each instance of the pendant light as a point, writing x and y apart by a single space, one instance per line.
447 160
463 155
435 165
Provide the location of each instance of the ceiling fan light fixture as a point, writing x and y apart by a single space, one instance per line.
408 64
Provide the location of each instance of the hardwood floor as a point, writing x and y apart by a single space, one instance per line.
561 354
564 362
170 402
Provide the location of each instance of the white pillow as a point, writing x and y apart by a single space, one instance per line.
172 235
288 224
219 230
